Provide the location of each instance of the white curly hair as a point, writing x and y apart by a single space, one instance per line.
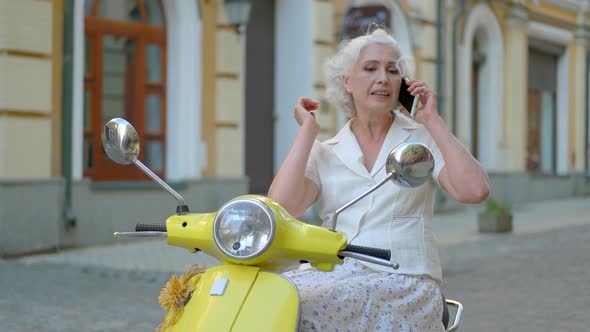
342 62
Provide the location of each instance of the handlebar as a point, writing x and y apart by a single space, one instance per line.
373 252
368 254
150 228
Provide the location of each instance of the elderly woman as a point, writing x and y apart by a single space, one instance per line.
364 79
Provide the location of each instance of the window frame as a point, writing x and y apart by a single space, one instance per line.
103 169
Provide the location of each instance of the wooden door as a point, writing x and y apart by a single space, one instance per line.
533 161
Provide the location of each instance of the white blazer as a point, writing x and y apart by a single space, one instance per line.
391 217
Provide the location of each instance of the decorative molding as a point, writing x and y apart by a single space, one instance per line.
227 124
573 5
582 36
550 33
418 17
429 60
328 43
24 114
517 16
226 75
226 27
25 54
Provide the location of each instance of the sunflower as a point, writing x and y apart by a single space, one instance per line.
176 294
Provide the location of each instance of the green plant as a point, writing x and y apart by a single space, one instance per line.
494 206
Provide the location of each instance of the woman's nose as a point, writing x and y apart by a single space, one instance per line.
382 77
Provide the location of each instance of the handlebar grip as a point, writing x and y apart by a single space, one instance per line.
373 252
150 228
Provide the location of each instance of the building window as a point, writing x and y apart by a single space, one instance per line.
360 20
542 104
125 57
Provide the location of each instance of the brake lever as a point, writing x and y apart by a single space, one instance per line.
368 258
139 234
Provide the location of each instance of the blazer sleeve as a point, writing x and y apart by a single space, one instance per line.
312 170
439 162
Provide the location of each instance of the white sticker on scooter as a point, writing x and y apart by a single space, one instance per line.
219 287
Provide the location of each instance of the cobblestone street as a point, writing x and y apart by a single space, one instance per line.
55 297
532 282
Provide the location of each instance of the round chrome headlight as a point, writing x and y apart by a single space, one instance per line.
244 228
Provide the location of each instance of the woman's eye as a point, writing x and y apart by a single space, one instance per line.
369 68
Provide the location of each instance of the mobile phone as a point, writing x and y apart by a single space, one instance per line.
408 101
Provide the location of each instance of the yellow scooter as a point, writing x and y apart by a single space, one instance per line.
255 239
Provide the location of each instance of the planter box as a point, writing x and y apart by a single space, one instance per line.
494 223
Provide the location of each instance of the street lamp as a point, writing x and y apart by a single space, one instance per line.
238 13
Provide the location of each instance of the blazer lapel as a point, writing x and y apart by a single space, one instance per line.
347 149
397 134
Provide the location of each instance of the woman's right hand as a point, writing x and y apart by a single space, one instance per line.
290 187
304 115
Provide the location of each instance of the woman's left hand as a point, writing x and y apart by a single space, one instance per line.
428 105
462 176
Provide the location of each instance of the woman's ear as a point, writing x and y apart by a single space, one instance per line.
346 82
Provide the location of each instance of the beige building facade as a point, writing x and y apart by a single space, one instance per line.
213 101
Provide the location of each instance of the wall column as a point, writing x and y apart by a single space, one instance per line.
293 69
27 69
578 120
185 149
515 89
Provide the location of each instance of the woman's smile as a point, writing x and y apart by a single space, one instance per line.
382 93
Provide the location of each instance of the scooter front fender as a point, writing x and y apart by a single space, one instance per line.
240 298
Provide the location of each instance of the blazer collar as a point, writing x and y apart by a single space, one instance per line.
347 149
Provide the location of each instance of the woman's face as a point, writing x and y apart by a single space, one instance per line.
374 80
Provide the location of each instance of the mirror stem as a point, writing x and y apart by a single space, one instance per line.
163 184
363 195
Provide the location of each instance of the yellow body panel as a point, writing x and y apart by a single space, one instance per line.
192 231
205 312
272 305
252 301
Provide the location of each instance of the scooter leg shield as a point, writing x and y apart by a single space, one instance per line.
217 299
272 305
240 298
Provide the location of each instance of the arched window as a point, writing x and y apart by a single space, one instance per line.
480 87
124 76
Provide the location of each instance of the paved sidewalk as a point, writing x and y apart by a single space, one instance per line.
461 226
454 227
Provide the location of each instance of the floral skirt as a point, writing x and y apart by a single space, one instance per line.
355 298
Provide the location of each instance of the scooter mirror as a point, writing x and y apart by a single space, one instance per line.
410 164
120 141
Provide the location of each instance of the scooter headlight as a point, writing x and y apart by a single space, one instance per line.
244 228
